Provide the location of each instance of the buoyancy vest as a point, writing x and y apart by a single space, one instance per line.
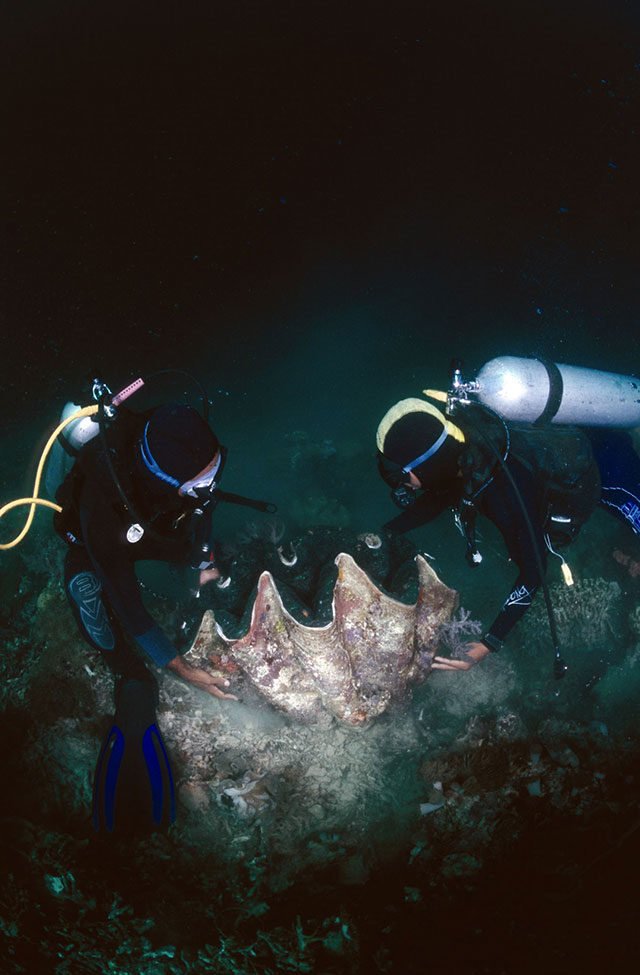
560 459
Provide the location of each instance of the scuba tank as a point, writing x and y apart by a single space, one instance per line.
537 391
77 427
542 393
75 433
68 445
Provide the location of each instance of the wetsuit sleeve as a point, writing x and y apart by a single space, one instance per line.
501 506
424 509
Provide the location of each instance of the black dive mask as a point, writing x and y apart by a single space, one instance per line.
396 477
203 490
403 496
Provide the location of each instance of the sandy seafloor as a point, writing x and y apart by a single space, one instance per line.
371 194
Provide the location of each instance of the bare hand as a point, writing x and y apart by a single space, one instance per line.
473 654
208 575
199 677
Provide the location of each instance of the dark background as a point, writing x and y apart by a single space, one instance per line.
219 184
312 206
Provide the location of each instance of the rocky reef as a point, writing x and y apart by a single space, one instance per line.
498 808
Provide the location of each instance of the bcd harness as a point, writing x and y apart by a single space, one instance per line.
558 457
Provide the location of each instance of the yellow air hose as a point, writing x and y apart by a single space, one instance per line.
34 501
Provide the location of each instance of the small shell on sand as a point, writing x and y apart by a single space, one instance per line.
370 540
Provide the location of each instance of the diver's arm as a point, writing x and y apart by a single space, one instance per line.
425 508
152 640
101 530
122 590
505 512
503 509
473 653
199 677
208 575
514 608
162 652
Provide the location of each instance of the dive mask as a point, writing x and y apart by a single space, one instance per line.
204 484
403 496
396 477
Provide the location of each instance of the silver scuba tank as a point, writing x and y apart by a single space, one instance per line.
76 434
530 390
80 431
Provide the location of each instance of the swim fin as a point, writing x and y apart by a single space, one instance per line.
134 789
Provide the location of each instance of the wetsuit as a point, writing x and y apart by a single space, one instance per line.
620 472
100 578
619 493
498 503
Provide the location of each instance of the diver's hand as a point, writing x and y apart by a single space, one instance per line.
208 575
201 678
473 654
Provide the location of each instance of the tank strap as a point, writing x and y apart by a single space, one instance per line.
66 446
556 389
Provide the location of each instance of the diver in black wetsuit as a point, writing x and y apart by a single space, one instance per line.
150 497
168 461
145 489
433 464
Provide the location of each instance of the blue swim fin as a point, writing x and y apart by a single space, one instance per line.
134 789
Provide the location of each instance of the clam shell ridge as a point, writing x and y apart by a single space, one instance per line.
354 666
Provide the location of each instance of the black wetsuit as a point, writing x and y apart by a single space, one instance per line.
620 472
100 578
619 468
498 503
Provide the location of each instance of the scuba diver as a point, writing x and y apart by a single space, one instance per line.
167 465
170 462
538 482
132 486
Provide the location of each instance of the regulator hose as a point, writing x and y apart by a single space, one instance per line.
559 666
34 501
